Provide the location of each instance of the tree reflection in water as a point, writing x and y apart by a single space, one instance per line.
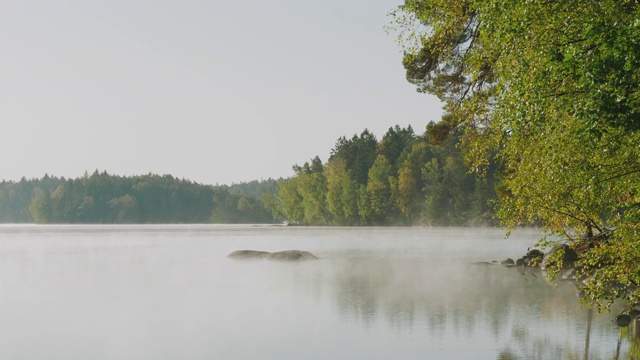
528 315
630 335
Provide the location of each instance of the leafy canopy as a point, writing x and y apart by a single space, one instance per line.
551 91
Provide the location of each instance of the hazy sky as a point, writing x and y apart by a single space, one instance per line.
215 91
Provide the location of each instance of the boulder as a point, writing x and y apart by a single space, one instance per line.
249 254
533 257
482 263
534 253
622 320
507 262
569 256
292 255
287 255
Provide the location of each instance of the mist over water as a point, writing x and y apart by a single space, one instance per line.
170 292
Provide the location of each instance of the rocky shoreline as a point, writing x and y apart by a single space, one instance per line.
561 260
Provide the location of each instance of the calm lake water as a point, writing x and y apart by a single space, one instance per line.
170 292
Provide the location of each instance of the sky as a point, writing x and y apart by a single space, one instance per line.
216 91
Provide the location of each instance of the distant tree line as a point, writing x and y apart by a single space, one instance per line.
102 198
403 179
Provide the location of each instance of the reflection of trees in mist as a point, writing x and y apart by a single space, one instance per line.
548 345
630 336
461 299
447 293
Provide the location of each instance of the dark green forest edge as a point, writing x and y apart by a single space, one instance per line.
404 179
102 198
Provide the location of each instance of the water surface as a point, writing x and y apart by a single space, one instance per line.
170 292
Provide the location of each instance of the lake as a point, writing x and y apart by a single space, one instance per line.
170 292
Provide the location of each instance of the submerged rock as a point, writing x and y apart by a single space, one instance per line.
249 254
622 320
287 255
507 262
534 253
533 257
569 256
482 263
292 255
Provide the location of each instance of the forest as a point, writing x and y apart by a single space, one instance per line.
102 198
403 179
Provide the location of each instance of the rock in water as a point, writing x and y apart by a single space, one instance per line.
622 320
533 257
482 263
569 256
249 254
507 262
292 255
287 255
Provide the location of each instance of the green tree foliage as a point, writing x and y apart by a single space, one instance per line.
422 184
15 197
550 92
411 185
450 195
102 198
125 205
287 205
342 193
434 201
312 187
237 208
359 152
41 208
394 142
254 189
379 189
365 212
